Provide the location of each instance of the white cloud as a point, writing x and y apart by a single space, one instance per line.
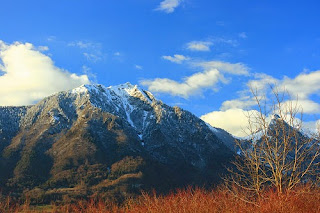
191 85
235 121
176 58
307 106
303 85
300 89
30 75
235 69
241 103
204 46
199 45
169 6
213 73
262 82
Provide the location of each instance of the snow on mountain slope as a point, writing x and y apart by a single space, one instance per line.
224 136
100 127
159 128
124 100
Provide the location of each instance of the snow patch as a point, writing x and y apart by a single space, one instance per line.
120 98
78 90
212 128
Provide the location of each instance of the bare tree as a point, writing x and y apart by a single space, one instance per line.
276 153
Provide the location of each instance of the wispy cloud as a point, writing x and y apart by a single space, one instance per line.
51 38
199 45
244 102
88 72
243 35
176 58
30 75
205 45
190 85
138 67
221 40
43 48
235 69
85 45
196 83
92 51
92 57
168 6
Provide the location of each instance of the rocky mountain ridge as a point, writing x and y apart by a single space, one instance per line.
104 139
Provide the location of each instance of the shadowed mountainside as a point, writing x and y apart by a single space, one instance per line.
106 141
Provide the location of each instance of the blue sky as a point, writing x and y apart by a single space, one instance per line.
198 54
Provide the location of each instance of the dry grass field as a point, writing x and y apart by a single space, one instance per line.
303 199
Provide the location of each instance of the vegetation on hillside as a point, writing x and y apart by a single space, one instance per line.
302 199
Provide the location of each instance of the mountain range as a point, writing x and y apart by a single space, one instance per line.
111 142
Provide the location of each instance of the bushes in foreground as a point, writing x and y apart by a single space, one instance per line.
303 199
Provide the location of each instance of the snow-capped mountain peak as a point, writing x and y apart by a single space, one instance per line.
105 127
121 91
137 106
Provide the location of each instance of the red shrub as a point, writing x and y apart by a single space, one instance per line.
303 199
